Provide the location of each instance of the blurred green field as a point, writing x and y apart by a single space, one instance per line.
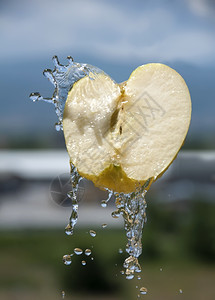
178 253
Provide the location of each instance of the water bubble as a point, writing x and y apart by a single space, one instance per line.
104 225
92 233
63 294
180 291
87 252
78 251
120 251
161 269
67 259
83 263
143 291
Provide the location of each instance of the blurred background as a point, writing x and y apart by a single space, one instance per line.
178 259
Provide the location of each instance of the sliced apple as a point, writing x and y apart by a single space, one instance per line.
121 135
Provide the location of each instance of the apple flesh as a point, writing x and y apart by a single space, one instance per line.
121 135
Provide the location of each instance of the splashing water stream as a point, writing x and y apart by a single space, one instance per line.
131 206
133 209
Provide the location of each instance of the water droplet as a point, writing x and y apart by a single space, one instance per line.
161 269
180 291
70 59
143 291
87 252
120 251
58 126
104 225
83 263
63 294
136 286
34 96
122 272
103 203
129 277
92 233
67 259
139 277
68 230
92 258
115 214
138 296
78 251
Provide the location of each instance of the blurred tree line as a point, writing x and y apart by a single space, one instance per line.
175 233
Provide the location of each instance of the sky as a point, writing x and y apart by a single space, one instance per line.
116 36
117 30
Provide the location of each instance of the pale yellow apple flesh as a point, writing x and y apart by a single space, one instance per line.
121 135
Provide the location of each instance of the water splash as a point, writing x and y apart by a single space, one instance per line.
63 78
104 202
131 206
133 209
75 180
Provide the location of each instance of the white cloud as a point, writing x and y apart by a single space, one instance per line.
103 29
203 8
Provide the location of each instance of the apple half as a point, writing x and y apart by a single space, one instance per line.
122 135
